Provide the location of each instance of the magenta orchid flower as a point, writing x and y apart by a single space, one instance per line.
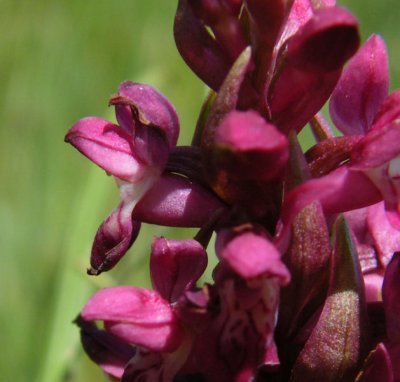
234 321
144 322
305 286
149 325
135 152
371 172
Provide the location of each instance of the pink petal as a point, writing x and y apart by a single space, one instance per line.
223 20
113 239
311 68
178 202
107 145
334 349
135 315
245 138
196 46
393 214
389 111
386 237
326 41
378 147
163 338
125 119
361 89
176 265
339 191
250 254
324 3
358 224
300 12
271 360
153 109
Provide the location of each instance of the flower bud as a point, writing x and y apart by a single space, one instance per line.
175 266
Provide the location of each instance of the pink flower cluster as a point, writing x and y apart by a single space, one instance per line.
307 285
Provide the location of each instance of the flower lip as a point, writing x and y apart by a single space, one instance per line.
108 146
136 315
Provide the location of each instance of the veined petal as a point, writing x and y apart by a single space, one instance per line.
361 89
107 145
178 202
176 265
135 315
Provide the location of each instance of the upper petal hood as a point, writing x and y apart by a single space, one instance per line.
306 75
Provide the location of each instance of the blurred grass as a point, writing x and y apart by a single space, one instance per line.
60 61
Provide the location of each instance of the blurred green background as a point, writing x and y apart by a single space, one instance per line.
60 61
